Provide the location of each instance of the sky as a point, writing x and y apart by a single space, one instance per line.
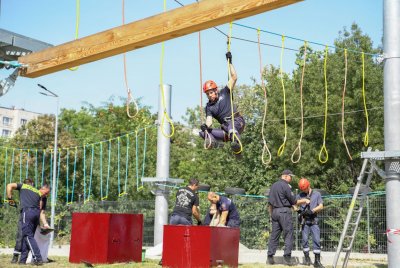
53 22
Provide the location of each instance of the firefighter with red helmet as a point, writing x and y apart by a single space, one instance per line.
219 106
309 220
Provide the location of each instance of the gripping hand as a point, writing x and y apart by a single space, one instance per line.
229 56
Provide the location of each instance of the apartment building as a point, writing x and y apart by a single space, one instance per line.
12 119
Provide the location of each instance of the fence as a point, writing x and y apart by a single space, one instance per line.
255 226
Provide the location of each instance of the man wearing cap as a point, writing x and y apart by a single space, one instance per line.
281 199
308 214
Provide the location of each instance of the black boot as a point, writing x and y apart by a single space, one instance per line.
317 262
270 259
15 258
307 260
287 260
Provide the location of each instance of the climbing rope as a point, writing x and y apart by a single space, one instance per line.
77 19
282 147
118 166
323 148
234 135
126 165
67 177
84 174
108 169
74 176
298 148
129 98
137 161
265 149
144 157
101 171
165 115
343 95
365 102
91 173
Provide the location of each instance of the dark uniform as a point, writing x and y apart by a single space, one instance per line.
281 199
30 198
186 198
226 204
221 110
310 222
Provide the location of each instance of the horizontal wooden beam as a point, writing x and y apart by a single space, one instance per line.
168 25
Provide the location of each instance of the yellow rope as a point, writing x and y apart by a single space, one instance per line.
76 27
265 149
234 135
298 148
365 103
282 147
165 114
323 148
343 95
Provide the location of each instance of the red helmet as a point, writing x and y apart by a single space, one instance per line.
210 84
304 184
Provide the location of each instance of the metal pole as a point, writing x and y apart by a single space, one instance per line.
163 143
368 227
391 82
53 186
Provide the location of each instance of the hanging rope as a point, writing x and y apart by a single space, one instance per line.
51 168
43 163
343 95
137 161
36 167
91 173
234 135
323 148
282 147
27 165
84 174
128 90
265 150
67 177
5 175
165 114
77 19
365 102
101 171
108 169
144 157
12 165
58 174
298 148
20 165
74 176
126 166
118 166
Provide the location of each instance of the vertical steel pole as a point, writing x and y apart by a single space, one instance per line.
53 186
163 144
391 74
368 227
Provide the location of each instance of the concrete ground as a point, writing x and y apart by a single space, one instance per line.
252 256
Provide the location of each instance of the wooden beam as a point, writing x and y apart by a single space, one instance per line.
168 25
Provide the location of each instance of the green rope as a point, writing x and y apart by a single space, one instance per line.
108 167
73 181
144 155
5 175
67 176
126 163
20 165
51 167
43 162
12 164
58 174
36 168
118 166
91 172
84 174
137 161
27 165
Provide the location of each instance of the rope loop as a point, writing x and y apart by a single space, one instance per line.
323 148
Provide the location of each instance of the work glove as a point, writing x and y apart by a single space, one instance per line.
204 127
229 56
308 213
11 202
199 223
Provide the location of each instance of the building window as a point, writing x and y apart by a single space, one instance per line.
7 121
6 133
23 122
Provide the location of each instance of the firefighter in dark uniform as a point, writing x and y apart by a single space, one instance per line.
31 200
219 106
309 222
281 199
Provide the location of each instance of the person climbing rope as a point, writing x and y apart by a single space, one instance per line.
219 106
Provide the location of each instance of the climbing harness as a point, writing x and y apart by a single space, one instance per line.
298 148
323 148
265 149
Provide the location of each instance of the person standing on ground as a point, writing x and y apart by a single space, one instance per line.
219 106
281 199
309 222
228 214
31 202
186 205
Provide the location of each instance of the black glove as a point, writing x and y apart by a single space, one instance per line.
204 127
11 202
229 56
199 223
308 212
